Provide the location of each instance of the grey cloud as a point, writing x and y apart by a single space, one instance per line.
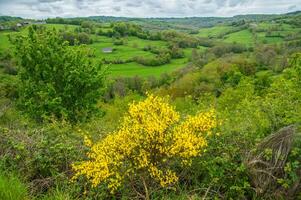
143 8
133 4
220 3
49 1
233 3
117 8
292 7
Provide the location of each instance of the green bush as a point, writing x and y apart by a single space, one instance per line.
41 154
160 59
56 80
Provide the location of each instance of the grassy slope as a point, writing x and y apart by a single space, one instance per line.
132 69
213 31
242 37
134 47
4 41
245 36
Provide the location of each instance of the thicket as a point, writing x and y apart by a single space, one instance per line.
173 50
157 60
76 38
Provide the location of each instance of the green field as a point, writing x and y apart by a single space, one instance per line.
4 41
61 26
133 69
132 47
241 37
120 52
214 31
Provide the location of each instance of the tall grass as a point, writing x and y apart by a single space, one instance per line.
11 188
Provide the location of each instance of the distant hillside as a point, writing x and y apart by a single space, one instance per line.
9 18
294 13
187 21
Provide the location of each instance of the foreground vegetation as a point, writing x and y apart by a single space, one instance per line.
223 122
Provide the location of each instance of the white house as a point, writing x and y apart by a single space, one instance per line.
107 50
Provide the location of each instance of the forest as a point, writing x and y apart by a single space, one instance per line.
150 108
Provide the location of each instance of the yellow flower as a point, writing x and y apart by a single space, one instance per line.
149 140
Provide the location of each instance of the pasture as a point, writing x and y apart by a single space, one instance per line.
131 48
214 32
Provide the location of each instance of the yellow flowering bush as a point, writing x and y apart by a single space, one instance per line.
150 139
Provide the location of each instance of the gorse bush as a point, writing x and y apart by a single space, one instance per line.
150 142
56 80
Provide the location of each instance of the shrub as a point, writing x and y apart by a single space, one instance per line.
84 38
56 80
176 52
147 146
76 38
7 63
42 156
222 49
158 60
265 56
118 42
8 86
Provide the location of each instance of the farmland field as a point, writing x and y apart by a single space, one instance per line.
132 47
133 69
214 31
242 37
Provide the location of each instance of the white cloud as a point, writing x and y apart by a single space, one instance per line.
143 8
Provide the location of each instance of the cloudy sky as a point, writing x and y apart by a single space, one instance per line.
143 8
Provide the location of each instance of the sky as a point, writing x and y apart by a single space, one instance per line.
40 9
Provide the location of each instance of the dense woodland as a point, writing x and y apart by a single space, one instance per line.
180 108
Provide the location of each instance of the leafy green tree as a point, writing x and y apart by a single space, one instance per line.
176 52
56 80
87 24
120 28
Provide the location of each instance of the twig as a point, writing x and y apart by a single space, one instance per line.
206 192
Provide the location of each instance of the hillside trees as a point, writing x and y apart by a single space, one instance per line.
56 80
176 52
158 60
198 59
222 49
127 29
265 56
76 38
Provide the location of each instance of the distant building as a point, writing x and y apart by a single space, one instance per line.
107 50
19 25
